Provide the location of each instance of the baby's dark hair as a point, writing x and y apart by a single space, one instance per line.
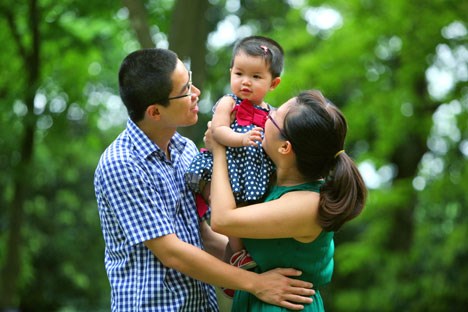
317 130
259 46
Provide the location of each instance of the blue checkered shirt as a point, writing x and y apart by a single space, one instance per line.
141 195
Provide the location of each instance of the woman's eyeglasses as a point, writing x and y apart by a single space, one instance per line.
189 86
275 124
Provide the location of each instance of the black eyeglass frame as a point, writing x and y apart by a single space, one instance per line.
189 87
281 131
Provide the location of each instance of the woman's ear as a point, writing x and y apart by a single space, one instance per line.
285 148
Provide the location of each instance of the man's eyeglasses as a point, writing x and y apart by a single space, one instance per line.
275 124
189 86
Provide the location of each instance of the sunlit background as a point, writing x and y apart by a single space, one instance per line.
397 69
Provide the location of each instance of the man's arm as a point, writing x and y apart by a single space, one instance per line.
273 286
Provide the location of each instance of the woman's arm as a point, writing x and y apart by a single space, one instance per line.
292 215
222 131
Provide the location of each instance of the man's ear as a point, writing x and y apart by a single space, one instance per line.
274 83
153 111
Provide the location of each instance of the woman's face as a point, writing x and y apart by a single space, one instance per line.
273 139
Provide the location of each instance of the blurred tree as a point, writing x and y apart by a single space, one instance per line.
50 110
139 20
29 58
381 62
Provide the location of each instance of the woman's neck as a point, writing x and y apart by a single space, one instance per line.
289 176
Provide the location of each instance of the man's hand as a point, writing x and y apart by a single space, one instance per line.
276 288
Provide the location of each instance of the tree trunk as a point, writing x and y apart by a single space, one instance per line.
139 21
11 270
407 156
188 35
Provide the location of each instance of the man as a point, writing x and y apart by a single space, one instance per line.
154 252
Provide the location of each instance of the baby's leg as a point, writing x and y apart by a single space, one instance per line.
236 252
205 191
203 199
235 243
237 256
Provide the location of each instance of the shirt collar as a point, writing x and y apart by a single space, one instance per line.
145 147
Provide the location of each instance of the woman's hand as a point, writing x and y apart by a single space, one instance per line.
210 143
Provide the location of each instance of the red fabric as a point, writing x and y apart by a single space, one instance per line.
202 206
247 114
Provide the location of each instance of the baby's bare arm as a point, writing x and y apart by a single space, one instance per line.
222 131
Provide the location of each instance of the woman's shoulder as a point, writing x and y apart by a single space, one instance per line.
301 198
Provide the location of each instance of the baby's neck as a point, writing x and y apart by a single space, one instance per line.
261 104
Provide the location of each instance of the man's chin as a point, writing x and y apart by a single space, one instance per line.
190 123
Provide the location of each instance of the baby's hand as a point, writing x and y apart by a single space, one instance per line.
252 137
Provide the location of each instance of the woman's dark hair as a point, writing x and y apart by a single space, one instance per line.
145 79
317 130
259 46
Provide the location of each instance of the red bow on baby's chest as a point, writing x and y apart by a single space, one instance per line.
247 114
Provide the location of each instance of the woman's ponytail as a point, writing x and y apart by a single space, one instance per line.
317 130
343 195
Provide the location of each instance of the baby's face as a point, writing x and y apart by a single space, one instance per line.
250 78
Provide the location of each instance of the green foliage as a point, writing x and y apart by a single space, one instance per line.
406 250
62 250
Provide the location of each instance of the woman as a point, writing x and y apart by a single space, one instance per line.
318 188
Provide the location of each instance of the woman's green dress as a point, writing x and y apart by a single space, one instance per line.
314 259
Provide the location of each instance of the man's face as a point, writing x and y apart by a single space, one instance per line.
182 110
